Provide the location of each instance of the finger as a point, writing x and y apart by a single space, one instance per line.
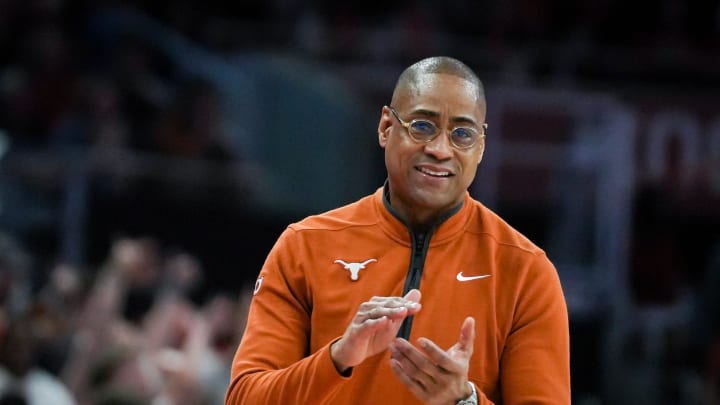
437 355
369 327
414 386
379 312
447 360
413 298
376 304
409 366
413 295
390 302
416 364
376 321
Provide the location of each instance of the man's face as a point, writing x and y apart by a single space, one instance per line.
427 179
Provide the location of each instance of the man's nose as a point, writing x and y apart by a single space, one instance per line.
440 147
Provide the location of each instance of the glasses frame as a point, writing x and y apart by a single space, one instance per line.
407 126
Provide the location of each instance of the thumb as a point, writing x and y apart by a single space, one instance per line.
467 335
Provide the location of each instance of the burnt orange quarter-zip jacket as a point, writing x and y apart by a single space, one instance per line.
322 268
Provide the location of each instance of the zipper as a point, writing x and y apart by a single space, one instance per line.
420 245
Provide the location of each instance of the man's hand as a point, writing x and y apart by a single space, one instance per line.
373 329
435 376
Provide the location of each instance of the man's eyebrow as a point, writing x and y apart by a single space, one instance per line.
426 113
434 114
463 120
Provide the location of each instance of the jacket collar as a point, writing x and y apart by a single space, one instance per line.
444 229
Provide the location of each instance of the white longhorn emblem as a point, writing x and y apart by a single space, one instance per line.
354 268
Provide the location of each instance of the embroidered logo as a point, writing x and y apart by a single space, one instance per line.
354 268
258 284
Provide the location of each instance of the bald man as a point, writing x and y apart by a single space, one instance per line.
417 293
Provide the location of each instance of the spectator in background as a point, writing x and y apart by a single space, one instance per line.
142 338
191 125
15 272
21 380
55 310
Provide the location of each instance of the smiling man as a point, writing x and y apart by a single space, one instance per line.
416 294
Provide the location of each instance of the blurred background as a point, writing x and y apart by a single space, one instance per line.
152 152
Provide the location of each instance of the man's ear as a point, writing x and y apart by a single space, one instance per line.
383 137
384 126
482 152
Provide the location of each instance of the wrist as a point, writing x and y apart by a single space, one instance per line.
337 358
471 399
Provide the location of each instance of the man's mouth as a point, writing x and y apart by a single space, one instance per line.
433 173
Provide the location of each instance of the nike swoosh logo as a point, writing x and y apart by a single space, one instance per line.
460 277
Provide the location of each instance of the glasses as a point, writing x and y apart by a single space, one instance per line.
424 131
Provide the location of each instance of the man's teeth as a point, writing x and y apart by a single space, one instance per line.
433 173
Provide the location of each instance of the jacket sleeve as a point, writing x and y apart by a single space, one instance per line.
535 364
272 364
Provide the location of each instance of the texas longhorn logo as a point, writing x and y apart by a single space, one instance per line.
355 268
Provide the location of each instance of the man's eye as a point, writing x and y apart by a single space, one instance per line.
463 133
425 128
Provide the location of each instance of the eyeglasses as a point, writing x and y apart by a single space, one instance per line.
424 131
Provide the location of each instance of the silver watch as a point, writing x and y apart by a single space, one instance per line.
472 399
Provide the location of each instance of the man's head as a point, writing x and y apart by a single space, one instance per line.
410 77
429 178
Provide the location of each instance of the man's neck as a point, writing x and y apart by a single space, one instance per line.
418 220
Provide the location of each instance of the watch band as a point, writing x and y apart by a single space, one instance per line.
472 399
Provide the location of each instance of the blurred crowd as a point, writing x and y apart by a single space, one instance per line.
656 43
92 311
129 323
133 331
94 121
67 82
68 79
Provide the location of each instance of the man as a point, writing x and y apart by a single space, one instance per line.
417 294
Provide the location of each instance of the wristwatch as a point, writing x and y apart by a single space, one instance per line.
472 399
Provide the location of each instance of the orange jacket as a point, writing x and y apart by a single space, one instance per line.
306 297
